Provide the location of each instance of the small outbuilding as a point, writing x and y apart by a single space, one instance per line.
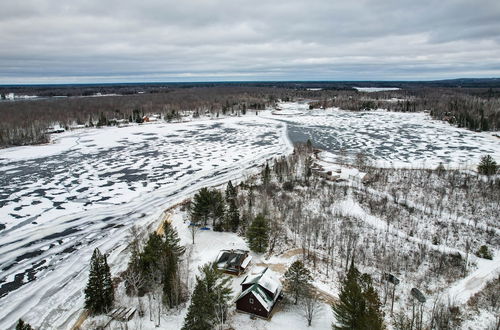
259 295
234 262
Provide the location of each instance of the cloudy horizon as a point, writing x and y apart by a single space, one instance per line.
44 41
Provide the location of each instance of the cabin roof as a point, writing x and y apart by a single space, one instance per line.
266 279
230 259
264 298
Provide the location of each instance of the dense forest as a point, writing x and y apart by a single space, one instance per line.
25 120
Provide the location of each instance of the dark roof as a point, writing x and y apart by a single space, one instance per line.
230 259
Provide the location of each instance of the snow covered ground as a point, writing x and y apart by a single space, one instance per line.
60 201
207 246
389 139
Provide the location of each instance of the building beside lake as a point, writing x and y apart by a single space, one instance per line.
259 294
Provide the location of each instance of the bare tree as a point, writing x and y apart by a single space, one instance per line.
310 304
135 280
194 229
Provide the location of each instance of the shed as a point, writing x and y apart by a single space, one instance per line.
233 262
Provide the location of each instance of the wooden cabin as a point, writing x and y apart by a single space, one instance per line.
259 295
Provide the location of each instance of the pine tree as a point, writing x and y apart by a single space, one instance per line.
297 279
232 216
217 210
107 284
359 306
173 253
258 234
197 315
231 192
103 121
308 168
21 325
208 204
309 145
209 302
151 256
373 314
266 175
487 166
159 263
99 294
200 210
350 308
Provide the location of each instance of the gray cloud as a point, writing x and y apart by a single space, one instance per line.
153 40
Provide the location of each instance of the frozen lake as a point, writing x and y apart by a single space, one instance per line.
59 202
389 138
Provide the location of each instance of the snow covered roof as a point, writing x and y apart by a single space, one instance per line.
245 262
266 279
266 300
230 259
259 282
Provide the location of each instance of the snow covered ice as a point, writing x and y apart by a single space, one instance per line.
60 201
389 139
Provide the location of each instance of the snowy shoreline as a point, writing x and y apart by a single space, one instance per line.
55 298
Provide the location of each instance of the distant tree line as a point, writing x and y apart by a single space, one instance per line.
476 109
26 121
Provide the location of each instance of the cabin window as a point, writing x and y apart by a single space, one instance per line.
250 301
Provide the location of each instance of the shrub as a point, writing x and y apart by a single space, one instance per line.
484 252
487 166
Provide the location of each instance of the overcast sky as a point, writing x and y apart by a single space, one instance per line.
46 41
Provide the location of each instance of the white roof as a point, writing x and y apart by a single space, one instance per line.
245 262
267 279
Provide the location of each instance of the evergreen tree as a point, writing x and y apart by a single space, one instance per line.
297 279
373 317
103 121
91 122
309 145
107 284
210 300
308 168
231 192
487 166
351 305
208 204
359 306
21 325
163 253
135 251
232 216
258 234
173 252
266 175
99 294
151 255
200 209
217 210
